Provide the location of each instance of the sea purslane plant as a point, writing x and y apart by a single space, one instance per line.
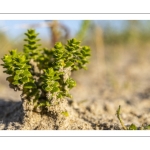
43 75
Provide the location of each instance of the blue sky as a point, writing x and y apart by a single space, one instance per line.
16 28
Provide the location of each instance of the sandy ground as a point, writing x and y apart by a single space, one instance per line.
124 81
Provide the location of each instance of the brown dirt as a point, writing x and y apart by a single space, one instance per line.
125 81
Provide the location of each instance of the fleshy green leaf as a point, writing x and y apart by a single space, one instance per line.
55 89
68 64
16 83
25 79
17 77
27 73
48 88
132 127
29 85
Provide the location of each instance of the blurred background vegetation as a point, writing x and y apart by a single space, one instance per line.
126 32
94 33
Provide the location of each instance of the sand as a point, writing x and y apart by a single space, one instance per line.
125 81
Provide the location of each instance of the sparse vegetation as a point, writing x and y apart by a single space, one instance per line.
132 126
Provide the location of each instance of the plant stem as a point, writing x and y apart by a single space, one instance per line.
118 116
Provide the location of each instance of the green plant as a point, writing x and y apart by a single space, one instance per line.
132 126
43 75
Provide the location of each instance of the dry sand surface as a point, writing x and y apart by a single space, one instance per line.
124 81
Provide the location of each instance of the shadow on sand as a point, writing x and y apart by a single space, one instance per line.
10 112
